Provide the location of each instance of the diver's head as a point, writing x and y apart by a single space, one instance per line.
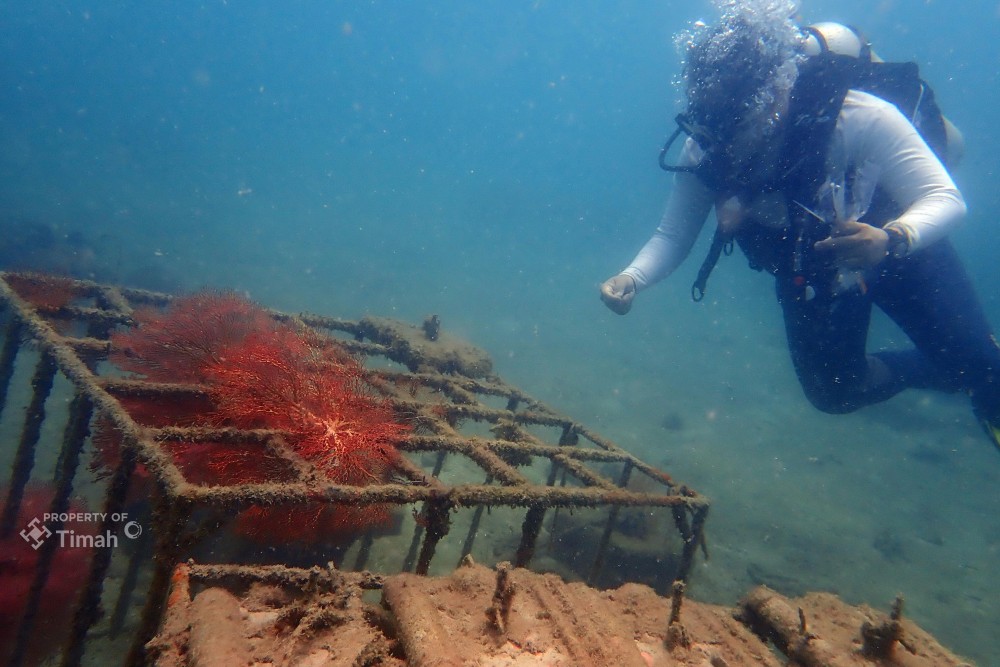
737 73
737 78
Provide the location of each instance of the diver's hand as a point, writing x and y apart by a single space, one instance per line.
855 245
617 293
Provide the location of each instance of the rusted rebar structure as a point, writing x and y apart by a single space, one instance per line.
477 445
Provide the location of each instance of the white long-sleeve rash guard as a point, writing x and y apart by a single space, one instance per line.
868 130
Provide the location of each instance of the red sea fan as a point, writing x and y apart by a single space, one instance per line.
176 410
288 380
259 373
311 522
226 464
179 343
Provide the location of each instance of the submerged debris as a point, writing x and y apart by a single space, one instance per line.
833 635
677 635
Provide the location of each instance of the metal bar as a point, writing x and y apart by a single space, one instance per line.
170 519
529 535
693 541
8 355
438 514
361 561
418 531
73 437
140 556
88 609
477 516
554 524
241 496
609 526
24 460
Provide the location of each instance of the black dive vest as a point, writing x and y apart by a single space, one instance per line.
814 105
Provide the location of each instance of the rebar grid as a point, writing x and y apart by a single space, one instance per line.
436 393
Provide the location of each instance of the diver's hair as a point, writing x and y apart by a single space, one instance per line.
734 70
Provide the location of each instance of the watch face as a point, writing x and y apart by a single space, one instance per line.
898 243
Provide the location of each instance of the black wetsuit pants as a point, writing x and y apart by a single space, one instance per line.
929 295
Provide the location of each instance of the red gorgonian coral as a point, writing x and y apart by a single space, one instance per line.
261 373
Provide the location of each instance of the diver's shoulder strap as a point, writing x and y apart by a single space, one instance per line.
814 106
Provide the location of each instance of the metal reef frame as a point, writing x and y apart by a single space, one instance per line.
97 309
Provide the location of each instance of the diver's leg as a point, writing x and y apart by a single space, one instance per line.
929 295
826 338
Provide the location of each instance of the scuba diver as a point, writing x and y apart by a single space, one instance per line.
798 139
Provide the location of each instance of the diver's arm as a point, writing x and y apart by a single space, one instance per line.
909 171
683 218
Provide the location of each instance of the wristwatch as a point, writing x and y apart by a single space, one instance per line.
899 242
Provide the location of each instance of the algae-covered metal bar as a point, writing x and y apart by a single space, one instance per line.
479 467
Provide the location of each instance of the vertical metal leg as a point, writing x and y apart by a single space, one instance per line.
470 537
418 532
88 610
553 474
141 555
169 522
76 432
529 535
24 460
692 535
366 546
8 355
602 546
438 513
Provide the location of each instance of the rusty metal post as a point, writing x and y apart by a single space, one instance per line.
8 355
169 517
477 516
569 436
88 609
418 532
77 428
24 460
529 535
693 536
364 551
602 546
554 471
140 556
438 513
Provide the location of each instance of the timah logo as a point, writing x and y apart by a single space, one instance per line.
36 533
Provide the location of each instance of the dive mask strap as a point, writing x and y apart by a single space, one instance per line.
700 134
